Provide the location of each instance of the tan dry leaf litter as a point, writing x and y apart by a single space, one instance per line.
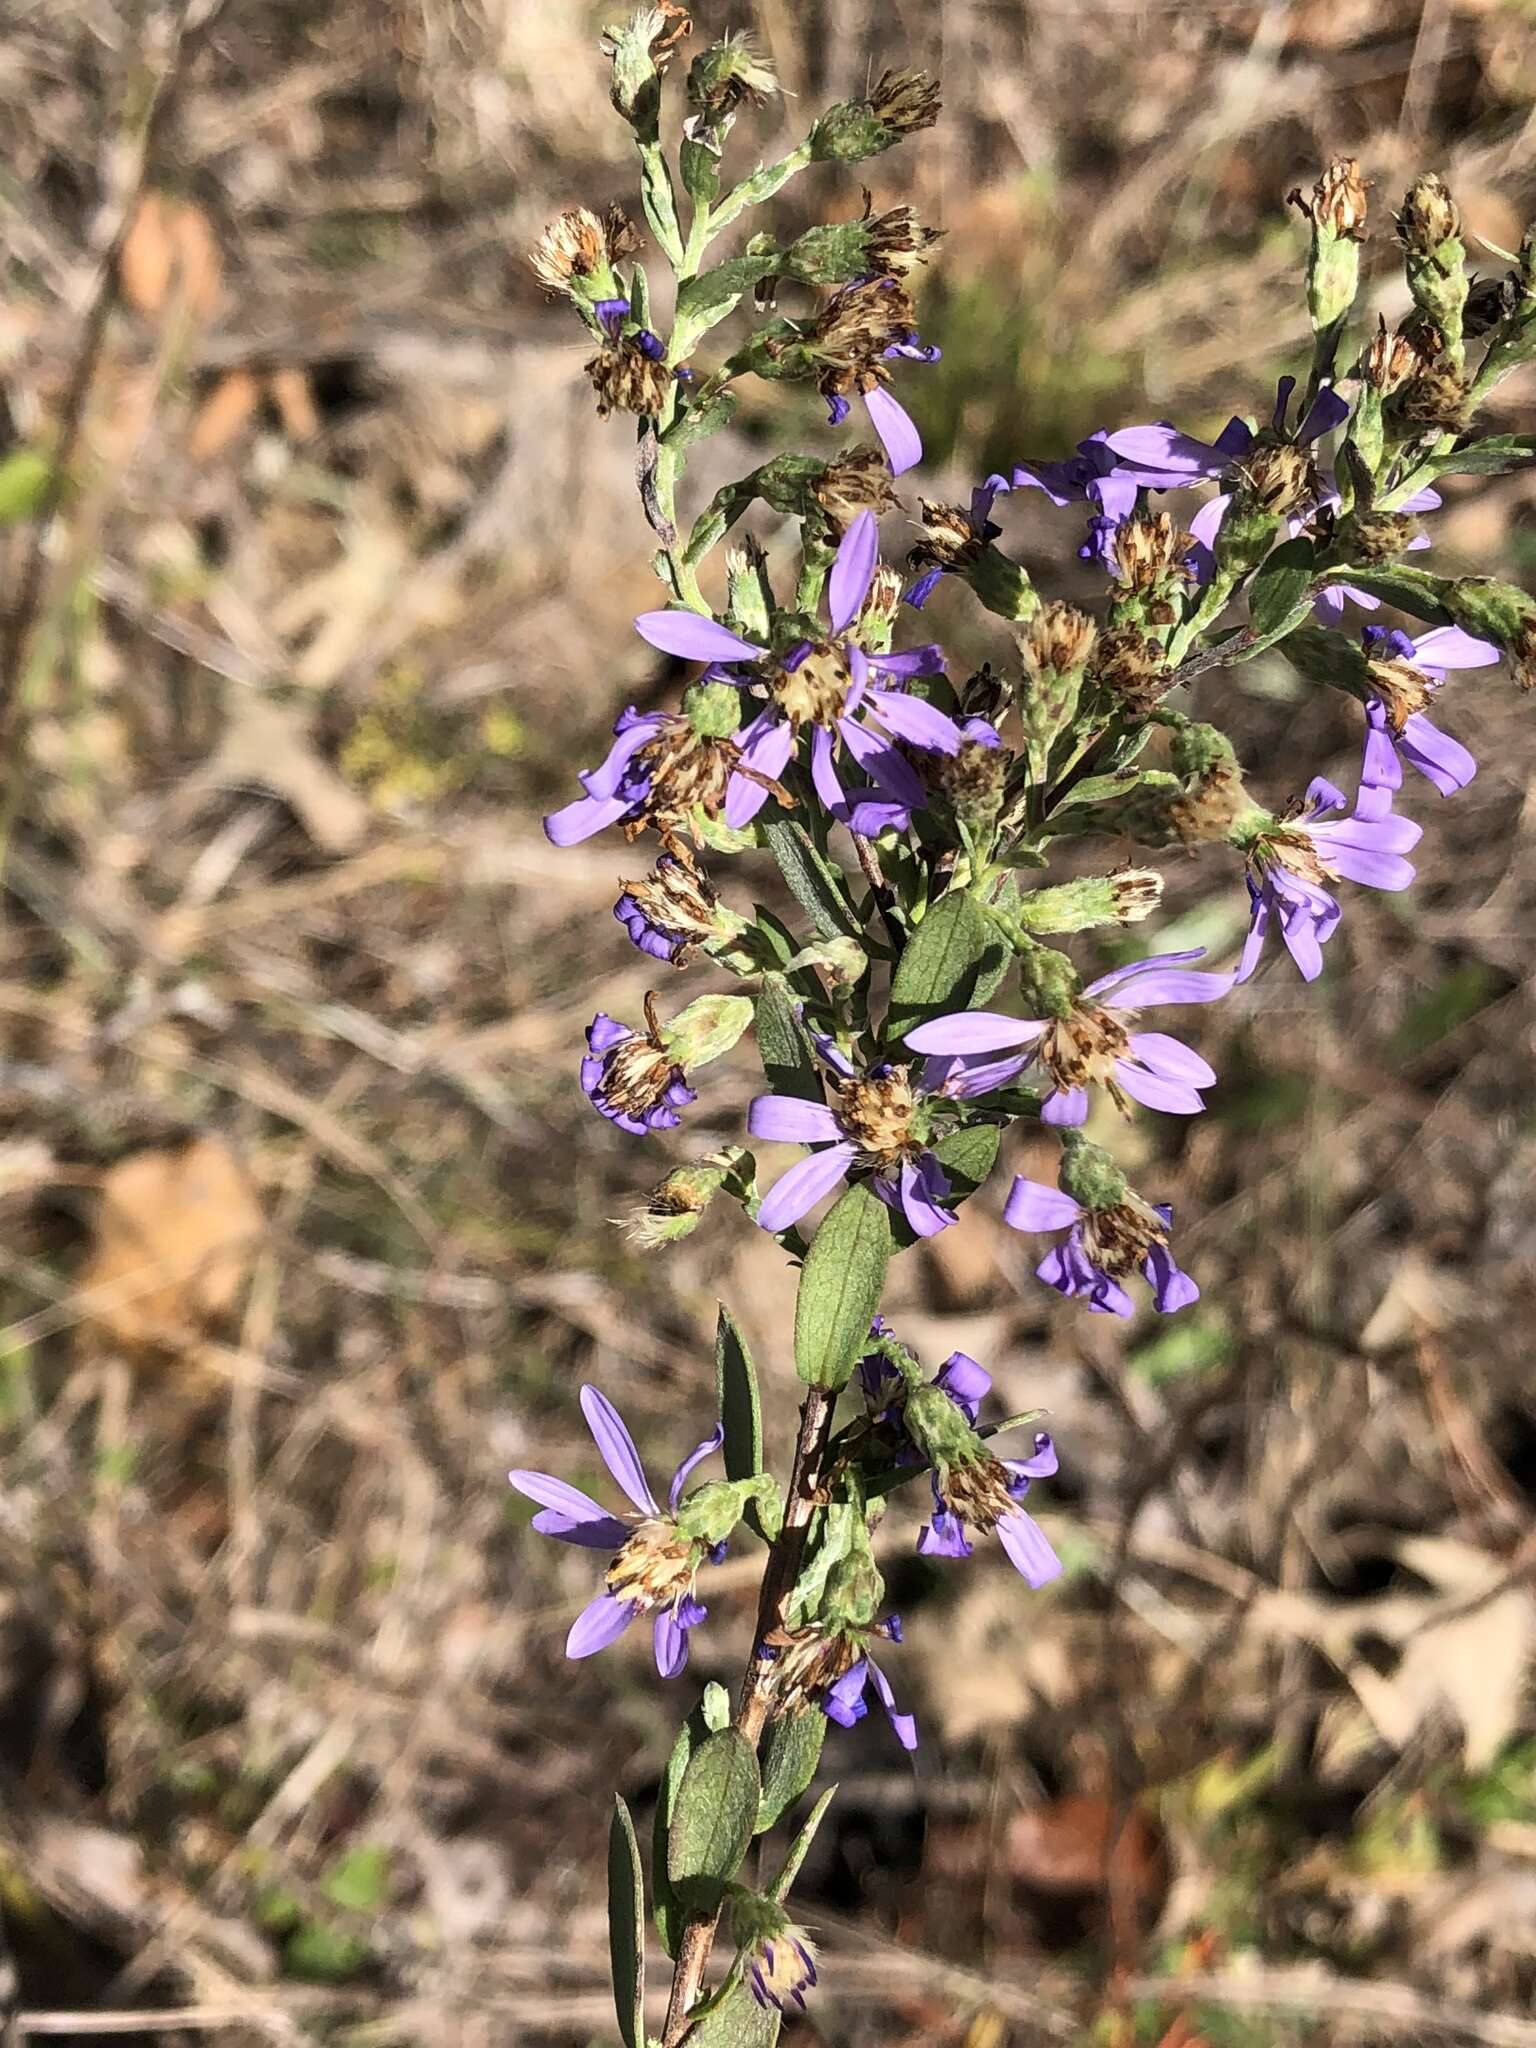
176 1232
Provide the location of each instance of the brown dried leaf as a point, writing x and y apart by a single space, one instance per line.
267 745
170 259
175 1236
227 408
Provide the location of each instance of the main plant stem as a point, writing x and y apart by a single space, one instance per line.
779 1576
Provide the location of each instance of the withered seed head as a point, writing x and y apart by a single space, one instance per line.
627 379
575 244
1436 396
1402 688
1428 216
905 101
816 689
1390 360
1058 641
877 1112
951 538
1151 551
1276 479
1131 666
654 1567
854 482
1338 199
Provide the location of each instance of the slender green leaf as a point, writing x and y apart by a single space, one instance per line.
782 1044
1282 592
741 1410
710 296
712 1819
840 1286
812 880
799 1849
953 961
626 1926
794 1750
667 1908
1414 591
1486 458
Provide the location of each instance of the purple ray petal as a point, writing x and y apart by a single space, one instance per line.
1171 1287
1175 1098
960 1076
1373 870
1031 1205
1327 411
601 1622
895 777
927 660
1065 1108
580 820
922 1186
670 1641
606 778
693 638
853 570
973 1031
1041 1463
799 1190
607 1534
843 1701
554 1493
898 435
1445 761
1031 1555
824 775
695 1457
966 1383
944 1536
1118 976
1449 647
1159 451
787 1120
605 1032
919 723
904 1725
617 1448
1324 796
1172 1057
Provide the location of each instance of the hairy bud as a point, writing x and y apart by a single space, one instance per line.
1434 258
729 75
902 103
1337 213
675 1207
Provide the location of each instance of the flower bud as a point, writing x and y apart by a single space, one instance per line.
1059 641
975 778
1047 982
901 103
1437 396
1374 536
1090 1175
707 1029
1213 797
1337 213
1122 898
749 597
1429 228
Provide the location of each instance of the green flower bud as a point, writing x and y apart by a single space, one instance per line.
1337 213
1090 1175
1434 257
712 709
1047 981
1122 898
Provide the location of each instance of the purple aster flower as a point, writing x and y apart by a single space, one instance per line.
860 329
673 910
1163 459
1093 473
936 1424
831 1668
881 1123
655 1564
1293 863
781 1968
664 764
1403 676
839 689
1328 607
632 1077
1092 1044
1102 1244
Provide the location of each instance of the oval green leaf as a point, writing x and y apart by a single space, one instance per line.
712 1819
626 1926
953 961
840 1285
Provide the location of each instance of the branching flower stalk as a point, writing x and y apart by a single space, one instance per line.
924 1004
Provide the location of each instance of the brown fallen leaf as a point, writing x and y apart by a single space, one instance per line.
176 1232
170 256
268 745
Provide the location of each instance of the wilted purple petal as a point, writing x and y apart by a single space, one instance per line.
617 1448
670 1641
843 1701
1065 1108
1443 760
1171 1287
966 1383
943 1536
904 1725
584 817
882 764
1327 411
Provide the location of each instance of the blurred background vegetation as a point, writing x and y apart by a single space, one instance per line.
304 1226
